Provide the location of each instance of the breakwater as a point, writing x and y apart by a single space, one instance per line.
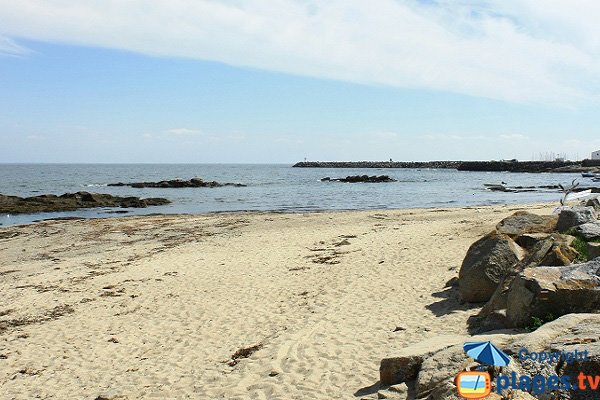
495 166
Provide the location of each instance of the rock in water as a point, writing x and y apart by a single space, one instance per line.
487 261
575 216
360 178
71 202
177 183
523 222
537 292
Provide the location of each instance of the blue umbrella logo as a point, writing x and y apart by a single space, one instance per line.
486 353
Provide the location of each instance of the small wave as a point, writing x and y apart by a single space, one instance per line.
95 185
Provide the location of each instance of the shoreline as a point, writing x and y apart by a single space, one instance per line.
159 306
122 215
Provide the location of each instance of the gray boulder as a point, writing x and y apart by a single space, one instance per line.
575 216
523 222
487 261
540 291
588 231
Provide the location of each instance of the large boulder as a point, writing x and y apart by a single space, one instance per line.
589 231
542 291
575 216
487 261
523 222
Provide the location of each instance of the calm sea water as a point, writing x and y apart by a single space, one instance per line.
270 187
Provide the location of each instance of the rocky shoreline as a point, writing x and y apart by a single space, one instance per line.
535 273
72 202
495 166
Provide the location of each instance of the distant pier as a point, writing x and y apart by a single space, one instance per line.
497 166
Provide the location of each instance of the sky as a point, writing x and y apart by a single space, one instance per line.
280 81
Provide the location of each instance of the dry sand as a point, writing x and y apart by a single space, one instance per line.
155 306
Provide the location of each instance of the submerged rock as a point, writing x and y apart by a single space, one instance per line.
71 202
177 183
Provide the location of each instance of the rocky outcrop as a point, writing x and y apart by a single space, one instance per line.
360 178
574 216
435 378
487 261
177 183
523 222
71 202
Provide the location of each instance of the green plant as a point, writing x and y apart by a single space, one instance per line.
536 322
580 246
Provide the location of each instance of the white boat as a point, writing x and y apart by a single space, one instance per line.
578 195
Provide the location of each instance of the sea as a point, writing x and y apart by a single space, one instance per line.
270 187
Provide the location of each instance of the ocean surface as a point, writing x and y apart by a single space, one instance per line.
270 188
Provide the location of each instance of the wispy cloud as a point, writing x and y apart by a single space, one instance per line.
514 136
521 50
183 132
9 48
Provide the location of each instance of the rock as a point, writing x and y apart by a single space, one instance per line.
435 379
593 250
360 178
537 292
487 261
594 203
399 392
405 366
588 231
574 216
529 240
553 250
71 202
177 183
523 222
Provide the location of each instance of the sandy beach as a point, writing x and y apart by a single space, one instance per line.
227 306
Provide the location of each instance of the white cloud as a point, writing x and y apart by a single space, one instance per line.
183 132
520 50
514 136
9 48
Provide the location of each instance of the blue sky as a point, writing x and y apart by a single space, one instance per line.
249 81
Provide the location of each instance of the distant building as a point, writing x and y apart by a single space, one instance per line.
596 155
